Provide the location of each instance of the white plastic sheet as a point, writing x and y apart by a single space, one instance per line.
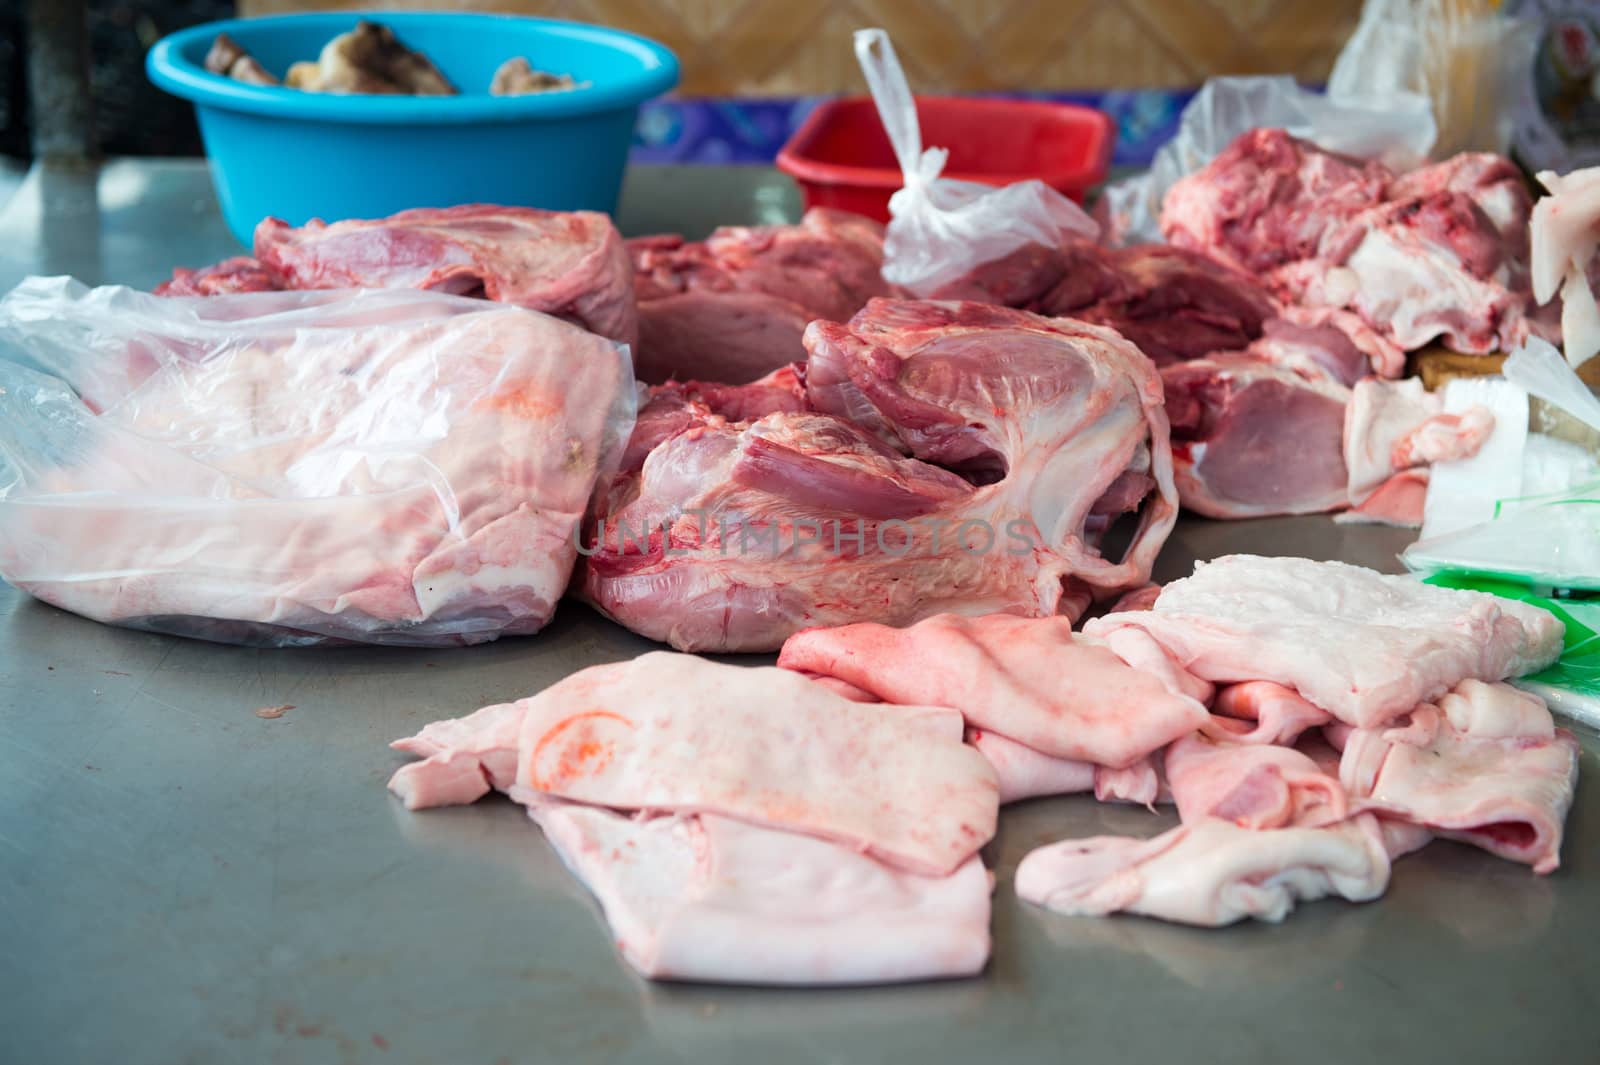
1551 538
291 468
941 229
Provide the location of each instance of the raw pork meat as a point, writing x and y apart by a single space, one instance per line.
571 264
1566 231
896 783
1486 766
1253 785
239 274
1267 199
711 898
1251 437
1392 427
1175 305
1210 872
1364 646
1435 253
733 307
392 467
1029 679
1425 268
958 457
1279 714
1493 183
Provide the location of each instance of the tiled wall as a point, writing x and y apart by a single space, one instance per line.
797 48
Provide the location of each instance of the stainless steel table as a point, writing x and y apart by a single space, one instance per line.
182 881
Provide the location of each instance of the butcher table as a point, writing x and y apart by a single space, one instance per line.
184 881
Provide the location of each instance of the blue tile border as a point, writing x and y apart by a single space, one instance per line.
722 131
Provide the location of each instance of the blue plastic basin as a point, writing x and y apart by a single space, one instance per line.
301 155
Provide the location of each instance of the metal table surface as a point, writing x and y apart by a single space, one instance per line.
182 881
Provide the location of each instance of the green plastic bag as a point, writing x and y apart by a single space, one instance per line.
1572 685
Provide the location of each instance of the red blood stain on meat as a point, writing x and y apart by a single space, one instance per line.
379 1041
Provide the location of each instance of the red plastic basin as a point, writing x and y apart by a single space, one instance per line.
841 157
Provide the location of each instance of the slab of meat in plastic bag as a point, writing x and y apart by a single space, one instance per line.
291 468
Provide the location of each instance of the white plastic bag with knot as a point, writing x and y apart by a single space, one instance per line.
941 229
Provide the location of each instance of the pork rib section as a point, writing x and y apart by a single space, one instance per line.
956 457
1364 646
734 307
712 898
571 264
766 746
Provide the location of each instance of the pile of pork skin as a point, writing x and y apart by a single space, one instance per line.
821 822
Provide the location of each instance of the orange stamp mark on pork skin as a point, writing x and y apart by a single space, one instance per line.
576 748
524 401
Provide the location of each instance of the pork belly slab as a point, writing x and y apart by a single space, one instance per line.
1031 680
1211 872
763 745
1364 646
711 898
1485 766
953 457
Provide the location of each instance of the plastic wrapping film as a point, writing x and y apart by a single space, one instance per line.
1540 548
941 229
293 468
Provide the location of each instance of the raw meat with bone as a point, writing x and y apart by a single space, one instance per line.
1364 646
571 264
1434 253
1252 438
391 467
1267 199
734 306
1485 766
712 898
762 745
1031 680
1268 431
1054 427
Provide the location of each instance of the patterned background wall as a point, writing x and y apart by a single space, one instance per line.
752 68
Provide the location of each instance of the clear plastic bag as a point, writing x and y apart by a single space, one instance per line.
1395 128
1551 538
293 468
940 229
1464 57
